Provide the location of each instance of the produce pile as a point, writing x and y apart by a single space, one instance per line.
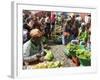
80 52
84 36
57 39
49 56
49 64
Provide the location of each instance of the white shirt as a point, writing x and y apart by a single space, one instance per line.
87 19
78 18
26 48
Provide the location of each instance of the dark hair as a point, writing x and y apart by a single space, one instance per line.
69 22
77 15
89 15
28 20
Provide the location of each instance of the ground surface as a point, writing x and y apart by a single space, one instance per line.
60 56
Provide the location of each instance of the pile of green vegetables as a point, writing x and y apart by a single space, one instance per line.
83 54
49 61
83 36
79 51
49 56
57 39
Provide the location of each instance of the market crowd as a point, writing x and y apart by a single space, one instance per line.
43 23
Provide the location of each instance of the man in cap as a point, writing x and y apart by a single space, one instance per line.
33 48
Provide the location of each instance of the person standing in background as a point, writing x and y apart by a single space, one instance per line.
66 31
53 20
48 27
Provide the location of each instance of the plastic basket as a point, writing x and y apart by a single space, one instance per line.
85 62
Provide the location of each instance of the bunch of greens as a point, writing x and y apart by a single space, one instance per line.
83 54
83 36
77 50
71 49
57 39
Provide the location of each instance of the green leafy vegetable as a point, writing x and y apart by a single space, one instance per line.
49 56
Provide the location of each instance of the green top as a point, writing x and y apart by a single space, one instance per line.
35 47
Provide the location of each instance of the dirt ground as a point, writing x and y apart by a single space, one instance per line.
60 56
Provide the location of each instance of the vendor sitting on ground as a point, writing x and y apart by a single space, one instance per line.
33 48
